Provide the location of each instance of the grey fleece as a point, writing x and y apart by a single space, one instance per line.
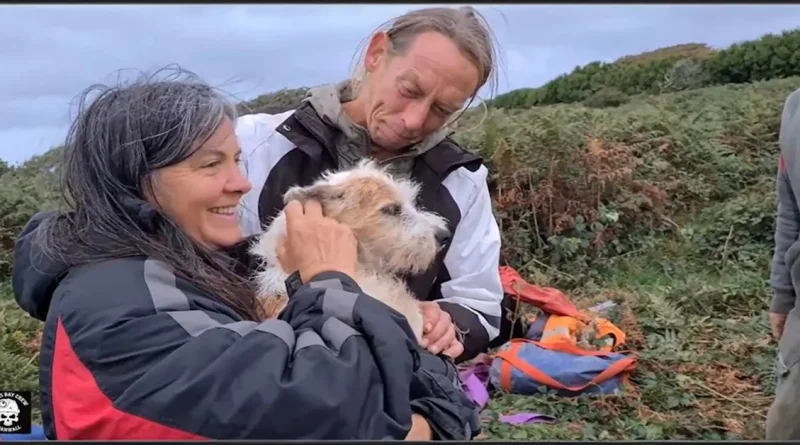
785 279
353 143
785 268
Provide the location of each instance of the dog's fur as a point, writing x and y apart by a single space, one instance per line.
394 236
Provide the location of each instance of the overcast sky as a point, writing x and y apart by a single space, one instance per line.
48 54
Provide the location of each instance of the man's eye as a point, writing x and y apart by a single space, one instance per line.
406 91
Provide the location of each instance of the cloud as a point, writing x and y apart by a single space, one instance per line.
51 53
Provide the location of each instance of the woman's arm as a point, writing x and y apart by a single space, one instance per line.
338 365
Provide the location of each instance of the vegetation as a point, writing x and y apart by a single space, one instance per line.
676 68
274 102
663 203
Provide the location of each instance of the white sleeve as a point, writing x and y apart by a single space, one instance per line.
262 147
474 256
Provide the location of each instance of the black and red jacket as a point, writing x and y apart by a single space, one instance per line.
132 352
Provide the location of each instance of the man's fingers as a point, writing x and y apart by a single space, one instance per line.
447 339
455 350
438 328
442 336
430 313
432 323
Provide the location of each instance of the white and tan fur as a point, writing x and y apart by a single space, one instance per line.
394 236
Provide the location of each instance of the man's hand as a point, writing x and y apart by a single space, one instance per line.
315 243
438 331
777 321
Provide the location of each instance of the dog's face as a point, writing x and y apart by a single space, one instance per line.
394 236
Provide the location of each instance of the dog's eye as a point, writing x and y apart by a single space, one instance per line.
391 210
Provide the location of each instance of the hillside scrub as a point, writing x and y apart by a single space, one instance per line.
671 69
664 204
575 187
25 190
773 56
274 102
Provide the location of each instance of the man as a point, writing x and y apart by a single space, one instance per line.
785 321
413 78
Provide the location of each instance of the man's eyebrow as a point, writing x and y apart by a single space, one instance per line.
414 78
411 77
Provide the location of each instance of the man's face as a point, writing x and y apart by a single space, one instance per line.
407 97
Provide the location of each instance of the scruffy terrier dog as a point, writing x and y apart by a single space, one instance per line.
394 236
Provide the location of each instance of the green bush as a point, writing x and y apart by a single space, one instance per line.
583 82
575 187
274 102
24 191
686 74
606 97
770 57
736 229
667 70
631 75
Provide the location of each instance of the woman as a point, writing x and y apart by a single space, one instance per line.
150 334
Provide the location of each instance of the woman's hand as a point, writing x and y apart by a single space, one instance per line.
420 429
315 243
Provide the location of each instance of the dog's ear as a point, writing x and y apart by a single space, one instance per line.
324 193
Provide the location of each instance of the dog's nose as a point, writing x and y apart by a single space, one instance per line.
442 236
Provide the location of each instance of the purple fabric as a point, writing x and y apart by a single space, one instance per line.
473 382
522 418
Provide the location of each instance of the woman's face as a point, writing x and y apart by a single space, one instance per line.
201 193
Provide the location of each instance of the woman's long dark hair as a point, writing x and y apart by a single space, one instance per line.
113 147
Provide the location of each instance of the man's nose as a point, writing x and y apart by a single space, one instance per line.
415 116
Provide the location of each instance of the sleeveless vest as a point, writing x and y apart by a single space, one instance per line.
314 153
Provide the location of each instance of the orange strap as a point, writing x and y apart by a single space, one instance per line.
510 359
564 345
